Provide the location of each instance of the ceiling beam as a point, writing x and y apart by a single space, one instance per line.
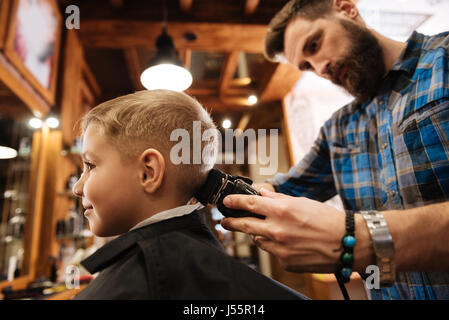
251 6
228 71
210 36
90 79
283 78
116 3
185 55
133 66
226 104
244 120
205 11
185 5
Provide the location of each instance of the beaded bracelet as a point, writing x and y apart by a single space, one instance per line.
348 243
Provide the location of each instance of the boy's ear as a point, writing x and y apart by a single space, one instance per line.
347 8
152 171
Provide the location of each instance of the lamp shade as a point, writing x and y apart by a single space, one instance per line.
165 70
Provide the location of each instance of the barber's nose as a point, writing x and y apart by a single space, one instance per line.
78 187
321 68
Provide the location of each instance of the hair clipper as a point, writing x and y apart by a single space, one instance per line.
218 185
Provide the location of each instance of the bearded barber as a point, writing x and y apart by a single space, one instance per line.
386 155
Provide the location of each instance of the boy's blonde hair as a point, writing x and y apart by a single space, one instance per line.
146 119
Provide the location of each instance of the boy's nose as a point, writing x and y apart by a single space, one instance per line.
78 188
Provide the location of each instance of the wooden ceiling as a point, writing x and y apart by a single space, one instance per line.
119 38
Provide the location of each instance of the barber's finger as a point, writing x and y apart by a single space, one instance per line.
256 204
265 243
247 225
257 239
270 194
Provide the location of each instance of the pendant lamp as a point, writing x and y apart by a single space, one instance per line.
7 152
165 70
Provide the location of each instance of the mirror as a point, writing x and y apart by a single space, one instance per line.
16 142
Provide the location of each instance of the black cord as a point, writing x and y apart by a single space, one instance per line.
342 287
164 13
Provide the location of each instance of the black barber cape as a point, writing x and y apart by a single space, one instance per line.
178 258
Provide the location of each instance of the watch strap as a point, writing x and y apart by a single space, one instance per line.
383 246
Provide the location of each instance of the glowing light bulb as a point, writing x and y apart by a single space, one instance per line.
35 123
252 99
7 153
52 122
166 76
226 123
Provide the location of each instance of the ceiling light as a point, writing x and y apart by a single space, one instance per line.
35 123
52 122
165 70
226 123
7 153
252 99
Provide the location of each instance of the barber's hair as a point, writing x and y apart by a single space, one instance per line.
307 9
146 119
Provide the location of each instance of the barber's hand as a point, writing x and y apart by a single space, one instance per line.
266 186
304 234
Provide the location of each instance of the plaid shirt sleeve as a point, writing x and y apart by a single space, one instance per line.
311 177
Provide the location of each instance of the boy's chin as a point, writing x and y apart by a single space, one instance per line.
103 231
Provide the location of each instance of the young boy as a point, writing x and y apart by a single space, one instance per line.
130 187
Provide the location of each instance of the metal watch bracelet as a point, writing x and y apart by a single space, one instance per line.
383 246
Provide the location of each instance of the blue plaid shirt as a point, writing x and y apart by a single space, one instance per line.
389 153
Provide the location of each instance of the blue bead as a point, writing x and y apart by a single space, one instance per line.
349 241
346 272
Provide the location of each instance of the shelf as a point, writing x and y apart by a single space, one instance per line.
70 237
85 234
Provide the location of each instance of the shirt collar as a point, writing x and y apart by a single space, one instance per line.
409 57
168 214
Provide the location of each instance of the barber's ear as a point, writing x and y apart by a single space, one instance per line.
152 170
347 8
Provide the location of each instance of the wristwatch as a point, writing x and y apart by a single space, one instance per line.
383 246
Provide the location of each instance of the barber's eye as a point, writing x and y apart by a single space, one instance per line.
313 46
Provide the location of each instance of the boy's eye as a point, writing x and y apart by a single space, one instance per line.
89 166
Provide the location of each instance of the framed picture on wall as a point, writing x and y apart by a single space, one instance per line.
4 13
33 42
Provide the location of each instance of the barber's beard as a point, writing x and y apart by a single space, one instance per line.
364 64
